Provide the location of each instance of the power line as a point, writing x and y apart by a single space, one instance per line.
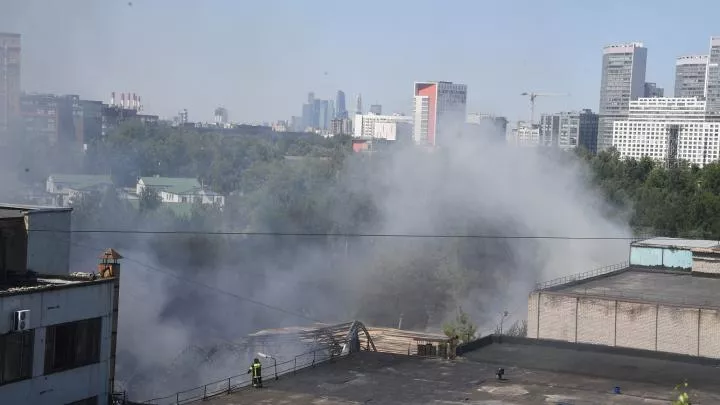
336 235
215 289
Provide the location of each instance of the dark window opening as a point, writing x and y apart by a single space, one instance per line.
16 356
72 345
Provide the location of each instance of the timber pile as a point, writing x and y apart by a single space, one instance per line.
389 340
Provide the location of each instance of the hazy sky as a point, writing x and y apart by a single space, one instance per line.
260 58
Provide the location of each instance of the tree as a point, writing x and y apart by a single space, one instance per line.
149 199
461 327
683 397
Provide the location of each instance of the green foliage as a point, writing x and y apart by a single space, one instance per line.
461 327
150 200
683 398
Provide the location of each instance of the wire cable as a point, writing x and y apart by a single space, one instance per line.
148 267
337 235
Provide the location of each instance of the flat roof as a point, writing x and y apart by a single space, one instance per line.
533 375
39 282
678 243
667 287
36 208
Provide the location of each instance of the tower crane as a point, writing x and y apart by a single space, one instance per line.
532 96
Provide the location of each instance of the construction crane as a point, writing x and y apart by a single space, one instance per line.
532 96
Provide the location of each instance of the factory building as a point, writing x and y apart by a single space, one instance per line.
664 299
57 328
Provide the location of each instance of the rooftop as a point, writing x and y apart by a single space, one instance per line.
175 185
81 181
669 287
30 282
32 208
678 243
535 374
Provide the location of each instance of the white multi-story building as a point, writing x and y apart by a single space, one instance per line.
57 329
179 190
668 128
387 127
439 110
524 134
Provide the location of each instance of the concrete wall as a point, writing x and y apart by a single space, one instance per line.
48 252
53 307
710 265
636 325
665 257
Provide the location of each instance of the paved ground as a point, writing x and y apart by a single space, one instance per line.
535 375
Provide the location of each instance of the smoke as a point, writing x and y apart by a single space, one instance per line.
185 301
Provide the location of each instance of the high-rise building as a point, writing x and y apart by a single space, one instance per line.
221 116
568 130
487 125
652 90
340 109
690 74
712 78
9 81
668 129
439 110
524 134
323 114
623 80
358 104
376 109
51 118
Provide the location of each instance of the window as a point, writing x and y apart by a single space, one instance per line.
16 356
72 345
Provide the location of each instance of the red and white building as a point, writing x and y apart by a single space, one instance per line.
438 107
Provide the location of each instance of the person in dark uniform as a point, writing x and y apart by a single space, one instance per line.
256 370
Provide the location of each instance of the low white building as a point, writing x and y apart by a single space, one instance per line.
668 128
57 329
388 127
66 187
179 190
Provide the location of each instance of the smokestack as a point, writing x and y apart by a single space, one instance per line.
112 98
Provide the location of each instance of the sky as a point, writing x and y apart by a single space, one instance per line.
259 59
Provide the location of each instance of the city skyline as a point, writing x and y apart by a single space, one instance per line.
99 54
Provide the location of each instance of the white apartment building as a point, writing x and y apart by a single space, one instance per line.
386 127
668 128
57 329
524 135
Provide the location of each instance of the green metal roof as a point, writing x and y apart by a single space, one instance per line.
81 181
175 185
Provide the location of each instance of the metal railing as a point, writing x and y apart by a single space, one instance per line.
580 276
236 382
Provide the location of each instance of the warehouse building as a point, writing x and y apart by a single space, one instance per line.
666 298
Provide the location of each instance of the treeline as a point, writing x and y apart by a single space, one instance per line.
678 201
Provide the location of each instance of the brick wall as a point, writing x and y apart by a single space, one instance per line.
710 333
596 321
557 317
635 325
688 331
706 265
532 319
677 330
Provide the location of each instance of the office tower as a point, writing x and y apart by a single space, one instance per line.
690 74
652 90
358 104
439 109
382 126
668 129
307 116
323 114
9 82
588 130
341 111
712 78
623 80
221 116
568 130
376 109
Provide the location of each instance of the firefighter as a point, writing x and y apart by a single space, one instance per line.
256 370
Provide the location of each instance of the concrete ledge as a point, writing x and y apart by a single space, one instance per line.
586 347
